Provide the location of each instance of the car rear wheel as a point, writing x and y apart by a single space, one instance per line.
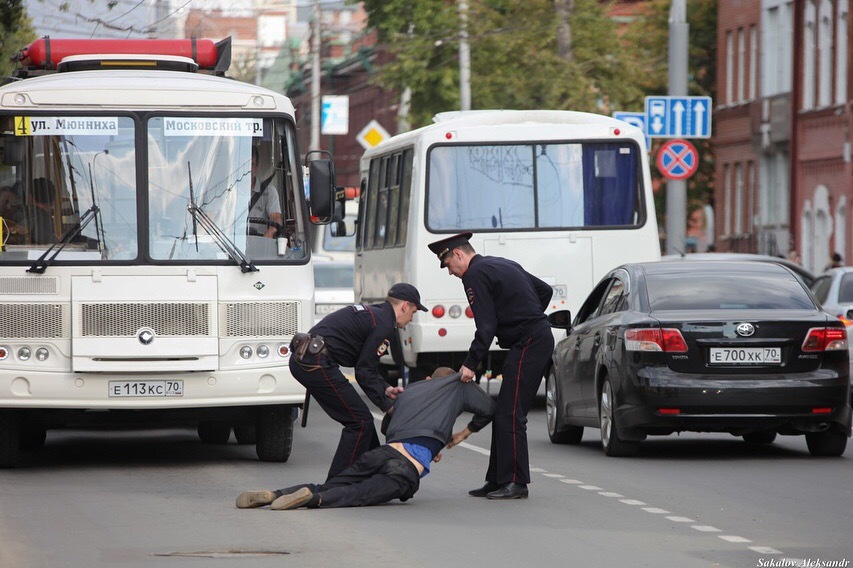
558 432
214 432
830 442
611 443
763 437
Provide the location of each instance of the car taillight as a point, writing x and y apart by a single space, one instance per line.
825 339
438 311
845 321
668 340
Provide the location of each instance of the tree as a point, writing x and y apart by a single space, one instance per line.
16 32
517 60
649 36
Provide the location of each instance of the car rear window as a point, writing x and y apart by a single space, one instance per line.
726 291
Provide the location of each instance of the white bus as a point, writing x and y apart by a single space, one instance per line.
154 265
566 194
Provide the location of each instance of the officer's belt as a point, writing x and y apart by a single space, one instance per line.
306 344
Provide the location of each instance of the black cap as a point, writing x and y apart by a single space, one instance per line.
444 246
407 292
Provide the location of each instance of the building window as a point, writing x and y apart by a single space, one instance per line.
738 199
824 60
730 63
753 61
741 58
776 48
727 188
808 56
841 54
750 189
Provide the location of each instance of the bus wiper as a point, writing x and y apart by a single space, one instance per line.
225 243
45 260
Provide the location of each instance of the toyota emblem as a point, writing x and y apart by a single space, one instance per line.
745 329
145 336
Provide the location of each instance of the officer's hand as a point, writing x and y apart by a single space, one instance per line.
467 374
459 437
392 392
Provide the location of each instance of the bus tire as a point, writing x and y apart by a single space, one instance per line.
10 439
245 433
274 433
33 437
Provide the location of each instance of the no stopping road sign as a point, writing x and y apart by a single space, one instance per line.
677 159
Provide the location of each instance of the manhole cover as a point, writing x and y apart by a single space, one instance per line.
223 553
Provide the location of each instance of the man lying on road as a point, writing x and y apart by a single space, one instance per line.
419 426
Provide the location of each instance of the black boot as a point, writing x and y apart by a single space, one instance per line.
509 491
484 490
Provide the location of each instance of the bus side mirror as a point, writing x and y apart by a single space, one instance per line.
321 190
561 319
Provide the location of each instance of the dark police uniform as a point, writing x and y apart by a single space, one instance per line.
509 303
355 336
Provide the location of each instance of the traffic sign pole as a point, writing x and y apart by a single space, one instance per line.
676 190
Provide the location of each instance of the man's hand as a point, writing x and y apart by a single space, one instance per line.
467 374
437 457
459 437
392 392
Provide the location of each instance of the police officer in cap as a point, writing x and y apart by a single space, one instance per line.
354 336
508 303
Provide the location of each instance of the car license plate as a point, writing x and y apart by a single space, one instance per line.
146 388
746 355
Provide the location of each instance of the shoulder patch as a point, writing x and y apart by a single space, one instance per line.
386 345
358 307
470 293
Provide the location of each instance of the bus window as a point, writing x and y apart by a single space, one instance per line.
556 185
405 193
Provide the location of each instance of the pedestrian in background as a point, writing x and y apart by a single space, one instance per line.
354 336
508 303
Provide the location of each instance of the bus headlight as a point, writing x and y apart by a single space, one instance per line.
263 351
42 354
245 352
24 353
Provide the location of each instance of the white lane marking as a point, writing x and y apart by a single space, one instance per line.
572 481
681 519
765 550
474 448
705 528
631 502
655 510
590 487
732 538
553 475
610 494
537 470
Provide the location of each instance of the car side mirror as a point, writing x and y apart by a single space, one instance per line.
561 319
850 314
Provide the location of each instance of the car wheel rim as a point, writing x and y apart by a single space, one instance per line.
551 403
606 414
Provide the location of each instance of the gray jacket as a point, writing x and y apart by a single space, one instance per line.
430 408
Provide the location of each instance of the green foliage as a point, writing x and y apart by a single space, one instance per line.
16 32
514 60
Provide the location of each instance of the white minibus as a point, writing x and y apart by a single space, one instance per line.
566 194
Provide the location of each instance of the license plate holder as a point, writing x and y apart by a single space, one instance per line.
745 356
146 389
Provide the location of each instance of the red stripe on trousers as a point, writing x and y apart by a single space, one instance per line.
361 429
514 409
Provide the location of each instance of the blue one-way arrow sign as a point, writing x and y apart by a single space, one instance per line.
678 117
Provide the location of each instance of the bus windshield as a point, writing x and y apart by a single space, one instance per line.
235 173
534 186
55 170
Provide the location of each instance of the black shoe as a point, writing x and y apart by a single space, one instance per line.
485 490
509 491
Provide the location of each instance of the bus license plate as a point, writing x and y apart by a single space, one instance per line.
560 292
746 355
146 388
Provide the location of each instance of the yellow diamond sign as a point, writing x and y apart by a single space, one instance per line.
371 135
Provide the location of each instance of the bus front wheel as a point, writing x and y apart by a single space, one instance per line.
274 433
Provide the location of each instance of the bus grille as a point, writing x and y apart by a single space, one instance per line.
125 320
42 321
264 319
22 285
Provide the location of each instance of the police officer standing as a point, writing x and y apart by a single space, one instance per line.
508 302
354 336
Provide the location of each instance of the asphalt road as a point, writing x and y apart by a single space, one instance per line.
161 498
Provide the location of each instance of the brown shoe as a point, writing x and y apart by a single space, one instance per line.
253 499
294 500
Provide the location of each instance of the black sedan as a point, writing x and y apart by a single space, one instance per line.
722 346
